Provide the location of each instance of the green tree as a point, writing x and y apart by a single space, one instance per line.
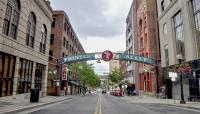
87 75
115 76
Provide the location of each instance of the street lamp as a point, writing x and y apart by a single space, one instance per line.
180 58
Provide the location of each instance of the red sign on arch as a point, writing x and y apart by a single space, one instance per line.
107 55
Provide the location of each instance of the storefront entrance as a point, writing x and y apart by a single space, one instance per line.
7 68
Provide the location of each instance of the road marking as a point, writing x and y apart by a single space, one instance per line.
98 106
100 112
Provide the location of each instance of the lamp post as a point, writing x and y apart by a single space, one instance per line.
57 82
157 74
180 58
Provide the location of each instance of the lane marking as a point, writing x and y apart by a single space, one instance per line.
100 112
98 106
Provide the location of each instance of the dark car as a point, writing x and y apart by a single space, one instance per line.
103 91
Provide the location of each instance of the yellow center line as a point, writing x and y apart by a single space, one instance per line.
98 106
100 111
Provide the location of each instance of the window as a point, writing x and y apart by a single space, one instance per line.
166 55
63 54
11 19
43 39
178 27
196 7
165 28
141 43
64 40
25 76
53 23
52 39
65 27
30 33
67 45
50 55
162 5
39 73
7 68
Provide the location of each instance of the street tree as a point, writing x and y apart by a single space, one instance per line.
115 76
87 75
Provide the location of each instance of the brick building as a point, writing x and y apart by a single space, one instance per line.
25 26
64 42
147 45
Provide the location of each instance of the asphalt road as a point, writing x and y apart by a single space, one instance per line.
106 104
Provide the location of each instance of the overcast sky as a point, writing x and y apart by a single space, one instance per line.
99 24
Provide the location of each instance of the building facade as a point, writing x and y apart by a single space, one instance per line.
114 64
123 69
147 45
25 28
179 26
130 45
64 42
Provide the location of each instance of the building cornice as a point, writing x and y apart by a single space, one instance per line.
167 9
45 7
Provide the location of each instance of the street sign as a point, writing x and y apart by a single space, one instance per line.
173 76
107 55
64 72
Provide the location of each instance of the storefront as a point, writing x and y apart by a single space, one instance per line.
39 74
7 68
191 80
25 76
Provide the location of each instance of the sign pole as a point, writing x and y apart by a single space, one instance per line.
174 93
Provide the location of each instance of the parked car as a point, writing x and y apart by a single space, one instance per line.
118 93
112 92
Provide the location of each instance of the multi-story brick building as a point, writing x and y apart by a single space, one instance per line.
147 45
179 26
64 42
25 28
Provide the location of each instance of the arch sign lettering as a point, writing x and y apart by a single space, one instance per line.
107 56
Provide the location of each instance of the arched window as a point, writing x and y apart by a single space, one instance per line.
43 39
11 19
30 32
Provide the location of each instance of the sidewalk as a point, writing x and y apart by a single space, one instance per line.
154 100
14 104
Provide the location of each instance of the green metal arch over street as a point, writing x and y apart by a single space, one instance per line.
116 56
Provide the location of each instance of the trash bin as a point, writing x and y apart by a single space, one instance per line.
34 97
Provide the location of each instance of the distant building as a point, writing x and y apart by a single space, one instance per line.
114 64
123 69
63 42
24 46
179 26
130 45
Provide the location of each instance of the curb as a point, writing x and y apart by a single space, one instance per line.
172 105
179 106
31 107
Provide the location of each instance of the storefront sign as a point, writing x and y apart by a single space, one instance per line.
64 72
173 76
